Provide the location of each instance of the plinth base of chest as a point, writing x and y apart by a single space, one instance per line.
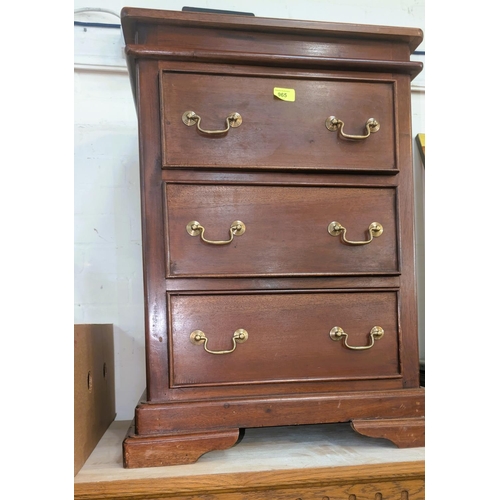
174 448
180 432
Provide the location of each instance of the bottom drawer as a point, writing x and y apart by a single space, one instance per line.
251 338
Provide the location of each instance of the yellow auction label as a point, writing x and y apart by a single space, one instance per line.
284 94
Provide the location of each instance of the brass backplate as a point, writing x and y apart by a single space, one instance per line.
240 336
373 124
193 228
332 123
376 229
235 120
335 228
238 228
336 333
377 332
197 337
189 118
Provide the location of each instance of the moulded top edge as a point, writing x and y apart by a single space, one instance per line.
130 16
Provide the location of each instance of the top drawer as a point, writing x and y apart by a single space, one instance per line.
274 133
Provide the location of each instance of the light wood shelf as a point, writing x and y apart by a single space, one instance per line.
324 462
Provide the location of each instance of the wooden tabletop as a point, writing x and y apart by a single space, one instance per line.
265 458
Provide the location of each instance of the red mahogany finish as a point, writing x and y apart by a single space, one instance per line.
278 254
297 125
303 212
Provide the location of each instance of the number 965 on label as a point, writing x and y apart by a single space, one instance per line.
284 94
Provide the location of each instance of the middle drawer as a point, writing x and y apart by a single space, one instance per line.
244 231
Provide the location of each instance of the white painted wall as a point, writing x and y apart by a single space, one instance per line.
108 261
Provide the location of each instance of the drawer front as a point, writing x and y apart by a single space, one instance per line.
275 133
286 230
288 337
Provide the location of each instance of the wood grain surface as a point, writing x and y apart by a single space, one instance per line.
286 230
293 408
275 132
405 433
288 337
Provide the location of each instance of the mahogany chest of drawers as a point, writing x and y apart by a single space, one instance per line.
278 233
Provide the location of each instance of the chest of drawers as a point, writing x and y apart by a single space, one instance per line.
278 234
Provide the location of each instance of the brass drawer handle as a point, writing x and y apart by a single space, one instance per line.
332 123
232 121
194 228
376 333
375 229
198 337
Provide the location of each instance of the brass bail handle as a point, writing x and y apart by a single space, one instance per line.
190 118
194 228
335 228
376 333
371 126
198 338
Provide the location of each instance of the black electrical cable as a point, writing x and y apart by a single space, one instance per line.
97 25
